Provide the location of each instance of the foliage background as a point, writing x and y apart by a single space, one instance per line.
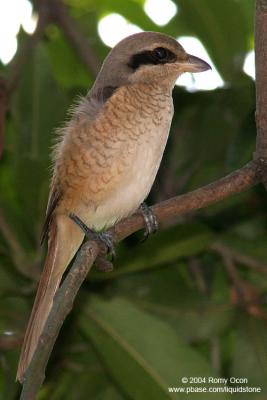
178 305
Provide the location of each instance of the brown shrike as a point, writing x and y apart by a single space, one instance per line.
107 156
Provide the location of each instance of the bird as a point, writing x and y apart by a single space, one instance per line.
107 156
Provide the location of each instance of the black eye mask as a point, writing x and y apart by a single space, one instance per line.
159 55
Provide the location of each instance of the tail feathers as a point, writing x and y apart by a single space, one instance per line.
64 240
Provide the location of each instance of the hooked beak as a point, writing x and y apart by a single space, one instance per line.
194 64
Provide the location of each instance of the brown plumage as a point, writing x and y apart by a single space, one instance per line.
108 155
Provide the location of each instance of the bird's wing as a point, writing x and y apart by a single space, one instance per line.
89 107
54 198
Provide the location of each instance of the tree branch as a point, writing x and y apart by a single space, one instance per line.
261 79
236 182
61 307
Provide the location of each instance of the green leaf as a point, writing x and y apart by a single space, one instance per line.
9 389
143 354
171 294
214 23
68 69
36 109
250 356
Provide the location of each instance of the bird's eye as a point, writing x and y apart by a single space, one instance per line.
160 53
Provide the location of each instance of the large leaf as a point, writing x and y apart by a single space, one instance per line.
171 294
144 355
250 356
214 22
36 109
68 68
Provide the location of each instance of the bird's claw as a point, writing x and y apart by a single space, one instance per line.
103 237
151 221
106 238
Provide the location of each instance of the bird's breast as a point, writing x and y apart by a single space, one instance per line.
119 156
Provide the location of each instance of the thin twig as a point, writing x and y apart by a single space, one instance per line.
196 270
19 256
244 294
233 274
76 37
215 354
239 258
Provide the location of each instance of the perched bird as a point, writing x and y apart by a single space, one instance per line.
107 156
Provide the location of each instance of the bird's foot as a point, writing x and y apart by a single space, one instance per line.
103 237
151 221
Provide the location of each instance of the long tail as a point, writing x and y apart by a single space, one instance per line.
64 240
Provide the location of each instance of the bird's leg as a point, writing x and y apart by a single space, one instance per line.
104 237
151 221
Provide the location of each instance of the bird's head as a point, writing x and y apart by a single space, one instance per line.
147 57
